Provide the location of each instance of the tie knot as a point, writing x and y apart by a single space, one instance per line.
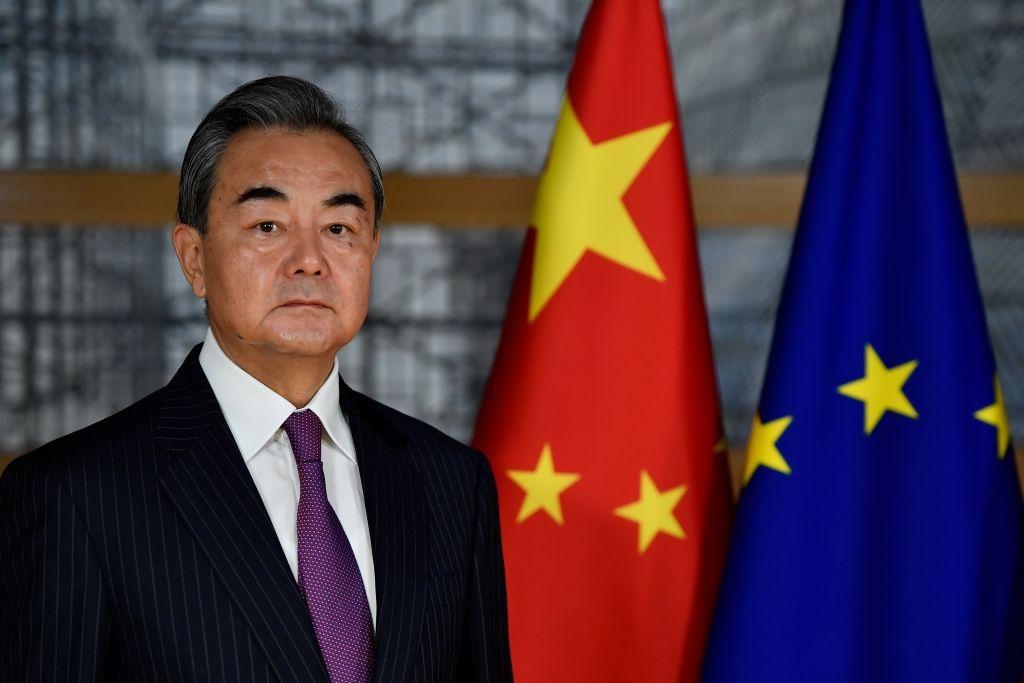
304 430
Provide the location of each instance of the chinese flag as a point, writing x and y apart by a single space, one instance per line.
601 416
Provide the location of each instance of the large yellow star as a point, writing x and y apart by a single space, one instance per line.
653 512
579 204
762 449
995 415
543 487
880 389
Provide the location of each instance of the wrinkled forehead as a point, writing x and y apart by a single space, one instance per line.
257 156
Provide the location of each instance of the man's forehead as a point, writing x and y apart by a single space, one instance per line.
256 157
285 142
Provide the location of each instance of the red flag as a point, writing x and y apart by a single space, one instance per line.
601 416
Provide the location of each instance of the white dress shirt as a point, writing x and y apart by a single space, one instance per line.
256 414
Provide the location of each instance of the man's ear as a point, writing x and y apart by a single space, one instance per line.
376 245
188 245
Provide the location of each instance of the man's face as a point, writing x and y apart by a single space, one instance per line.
285 262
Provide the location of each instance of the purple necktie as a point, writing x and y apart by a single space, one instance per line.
328 574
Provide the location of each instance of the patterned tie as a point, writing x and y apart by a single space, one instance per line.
328 574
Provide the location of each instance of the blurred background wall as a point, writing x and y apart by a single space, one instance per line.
94 315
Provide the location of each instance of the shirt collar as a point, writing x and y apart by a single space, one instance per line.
255 412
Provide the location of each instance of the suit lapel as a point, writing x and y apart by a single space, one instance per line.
211 489
396 513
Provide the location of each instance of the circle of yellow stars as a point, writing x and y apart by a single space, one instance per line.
881 391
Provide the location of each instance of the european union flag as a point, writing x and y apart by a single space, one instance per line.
879 532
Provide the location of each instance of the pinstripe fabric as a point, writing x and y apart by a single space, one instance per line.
139 549
431 505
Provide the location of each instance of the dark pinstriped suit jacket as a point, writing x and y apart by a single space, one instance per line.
139 549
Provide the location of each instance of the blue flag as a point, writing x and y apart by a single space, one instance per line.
879 531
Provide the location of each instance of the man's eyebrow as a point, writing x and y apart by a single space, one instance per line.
345 199
260 192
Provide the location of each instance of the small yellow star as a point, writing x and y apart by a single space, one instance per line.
995 415
762 449
653 512
579 204
880 389
543 487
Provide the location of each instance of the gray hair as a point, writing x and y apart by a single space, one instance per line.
285 102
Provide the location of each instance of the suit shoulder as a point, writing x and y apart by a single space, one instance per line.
92 445
408 429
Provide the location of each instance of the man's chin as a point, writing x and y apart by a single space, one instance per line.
306 347
306 342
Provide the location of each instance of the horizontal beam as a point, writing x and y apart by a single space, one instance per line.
750 199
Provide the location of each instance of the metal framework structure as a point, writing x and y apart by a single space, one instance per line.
92 317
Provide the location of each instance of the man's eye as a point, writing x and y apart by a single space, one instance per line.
338 229
267 226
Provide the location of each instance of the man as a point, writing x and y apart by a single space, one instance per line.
256 519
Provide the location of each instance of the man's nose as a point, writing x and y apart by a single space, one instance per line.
307 252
